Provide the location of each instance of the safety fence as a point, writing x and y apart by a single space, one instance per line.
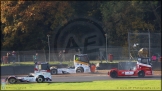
148 41
117 53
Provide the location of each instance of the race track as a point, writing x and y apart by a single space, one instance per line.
97 78
84 77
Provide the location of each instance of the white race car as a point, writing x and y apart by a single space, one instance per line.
42 74
81 65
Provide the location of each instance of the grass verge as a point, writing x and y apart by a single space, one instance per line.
95 85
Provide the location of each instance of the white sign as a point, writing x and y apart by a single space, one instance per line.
129 73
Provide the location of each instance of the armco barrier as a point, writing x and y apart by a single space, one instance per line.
23 70
156 66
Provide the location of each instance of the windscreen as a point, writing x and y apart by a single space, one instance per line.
44 67
126 65
82 58
143 60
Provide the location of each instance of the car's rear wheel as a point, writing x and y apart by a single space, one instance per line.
54 71
141 74
113 74
79 70
40 79
12 80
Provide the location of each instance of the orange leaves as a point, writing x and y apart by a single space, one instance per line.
21 1
30 16
20 24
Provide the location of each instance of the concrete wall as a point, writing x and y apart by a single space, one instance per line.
16 70
156 66
107 66
22 70
7 70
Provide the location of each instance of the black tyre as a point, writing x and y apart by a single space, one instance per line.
54 71
40 79
12 80
141 74
113 74
79 70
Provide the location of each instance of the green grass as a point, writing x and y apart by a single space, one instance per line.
95 85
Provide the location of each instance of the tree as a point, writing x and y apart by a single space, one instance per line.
119 17
87 8
27 23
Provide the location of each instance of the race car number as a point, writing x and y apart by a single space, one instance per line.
129 73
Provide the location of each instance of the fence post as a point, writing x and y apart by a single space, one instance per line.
19 59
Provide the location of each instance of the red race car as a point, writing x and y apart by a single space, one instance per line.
141 68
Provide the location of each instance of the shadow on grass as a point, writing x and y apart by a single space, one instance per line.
70 82
51 82
132 77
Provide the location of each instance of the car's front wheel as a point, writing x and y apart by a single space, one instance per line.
40 79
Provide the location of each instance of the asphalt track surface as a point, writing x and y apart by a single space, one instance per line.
89 77
99 78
